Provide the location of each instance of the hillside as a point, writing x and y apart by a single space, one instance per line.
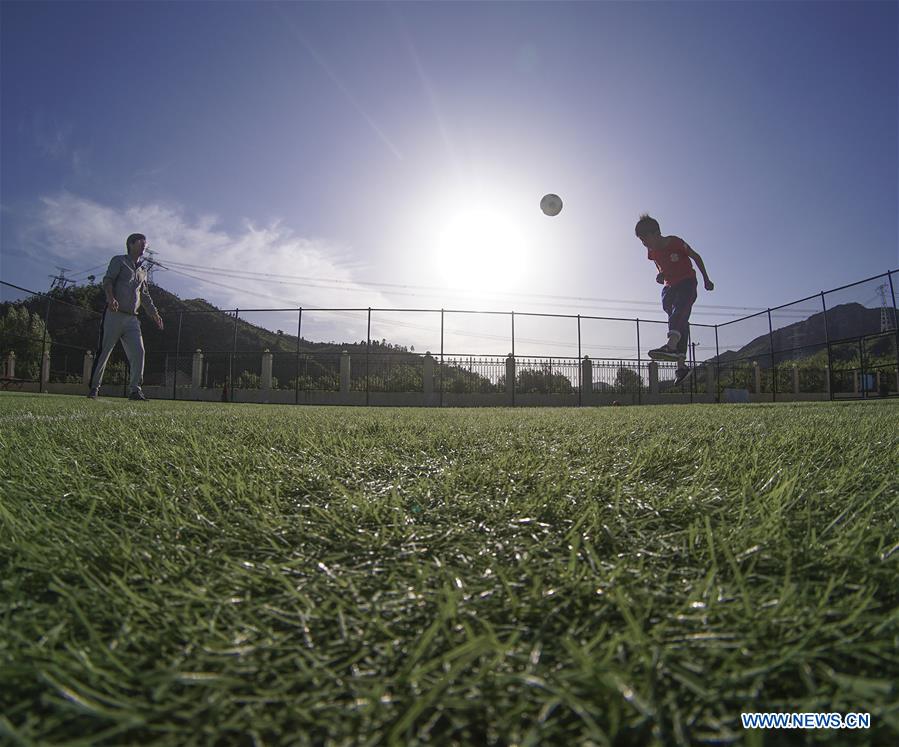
203 326
846 322
74 324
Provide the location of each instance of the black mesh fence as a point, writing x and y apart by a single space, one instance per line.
841 343
616 376
46 333
547 375
472 374
318 372
388 372
862 332
736 374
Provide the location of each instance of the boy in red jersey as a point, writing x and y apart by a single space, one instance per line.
672 256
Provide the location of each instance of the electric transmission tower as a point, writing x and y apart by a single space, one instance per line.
60 281
151 264
887 312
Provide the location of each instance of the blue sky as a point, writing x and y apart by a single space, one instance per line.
394 154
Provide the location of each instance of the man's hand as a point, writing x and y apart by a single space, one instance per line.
113 305
158 320
709 285
660 278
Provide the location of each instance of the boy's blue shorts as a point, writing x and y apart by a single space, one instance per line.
677 301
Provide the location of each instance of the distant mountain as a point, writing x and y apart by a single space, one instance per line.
74 326
845 324
76 323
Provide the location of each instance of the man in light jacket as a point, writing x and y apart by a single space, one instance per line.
125 285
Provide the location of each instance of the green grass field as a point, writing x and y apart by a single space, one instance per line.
182 573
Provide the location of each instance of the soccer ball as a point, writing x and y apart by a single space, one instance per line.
551 204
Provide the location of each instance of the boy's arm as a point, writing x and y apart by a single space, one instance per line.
709 285
660 276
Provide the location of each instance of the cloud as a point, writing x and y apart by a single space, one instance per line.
84 233
236 269
54 142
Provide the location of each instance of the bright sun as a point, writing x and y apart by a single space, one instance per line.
481 249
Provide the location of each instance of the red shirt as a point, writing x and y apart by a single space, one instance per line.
673 261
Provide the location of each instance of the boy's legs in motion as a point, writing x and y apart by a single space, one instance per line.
677 301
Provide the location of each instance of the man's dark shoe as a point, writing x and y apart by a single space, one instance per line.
664 353
93 394
138 395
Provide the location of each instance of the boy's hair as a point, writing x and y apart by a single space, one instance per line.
647 226
132 238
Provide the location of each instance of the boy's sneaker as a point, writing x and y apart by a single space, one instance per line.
664 353
138 395
93 394
682 375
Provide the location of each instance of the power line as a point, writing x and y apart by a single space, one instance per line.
87 271
352 286
409 325
394 324
339 284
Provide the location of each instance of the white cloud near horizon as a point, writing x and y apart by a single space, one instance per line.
82 232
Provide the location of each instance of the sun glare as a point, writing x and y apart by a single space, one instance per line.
481 250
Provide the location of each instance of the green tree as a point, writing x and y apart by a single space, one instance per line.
542 381
22 332
249 380
627 380
116 373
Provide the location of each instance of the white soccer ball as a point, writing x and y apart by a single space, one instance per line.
551 204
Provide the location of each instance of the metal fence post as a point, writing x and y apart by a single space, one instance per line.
367 350
177 355
829 354
296 379
40 376
691 350
580 377
717 368
231 358
513 358
895 325
639 367
441 357
861 367
773 365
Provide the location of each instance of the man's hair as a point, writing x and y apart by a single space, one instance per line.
647 226
132 238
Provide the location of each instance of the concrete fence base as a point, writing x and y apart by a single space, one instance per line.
427 397
411 399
